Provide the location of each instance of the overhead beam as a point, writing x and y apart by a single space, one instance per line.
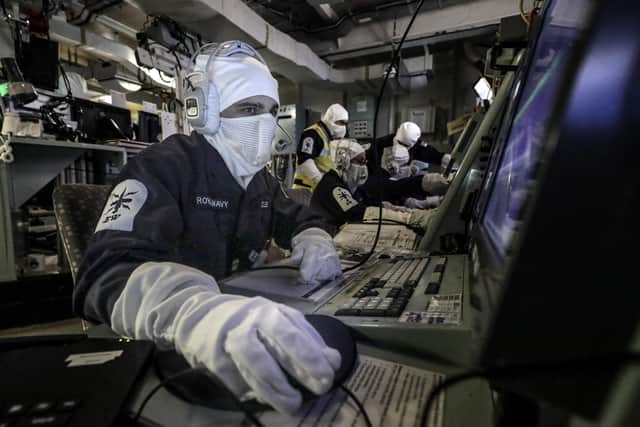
420 41
479 13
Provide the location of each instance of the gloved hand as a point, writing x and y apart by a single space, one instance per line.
435 184
433 202
310 169
419 167
392 207
428 203
445 161
247 343
403 172
314 249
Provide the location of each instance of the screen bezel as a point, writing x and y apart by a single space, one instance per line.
491 254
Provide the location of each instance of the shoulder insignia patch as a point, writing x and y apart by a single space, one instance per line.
344 198
307 145
123 204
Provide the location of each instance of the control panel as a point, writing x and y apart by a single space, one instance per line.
413 303
360 129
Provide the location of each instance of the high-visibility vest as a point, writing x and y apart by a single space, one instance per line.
323 161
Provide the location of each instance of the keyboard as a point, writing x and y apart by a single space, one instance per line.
412 303
386 291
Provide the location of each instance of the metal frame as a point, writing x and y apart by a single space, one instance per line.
37 162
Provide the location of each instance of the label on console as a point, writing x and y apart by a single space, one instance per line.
443 309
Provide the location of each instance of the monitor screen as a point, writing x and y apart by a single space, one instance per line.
100 122
149 129
38 61
514 172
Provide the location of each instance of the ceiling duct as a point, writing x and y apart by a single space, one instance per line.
219 20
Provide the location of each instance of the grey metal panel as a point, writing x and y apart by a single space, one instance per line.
39 161
7 253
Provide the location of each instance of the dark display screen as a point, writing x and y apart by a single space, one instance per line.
515 171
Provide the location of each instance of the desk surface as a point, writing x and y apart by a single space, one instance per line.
464 405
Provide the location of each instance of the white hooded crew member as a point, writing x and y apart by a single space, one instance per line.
149 270
395 159
334 114
244 143
313 159
353 174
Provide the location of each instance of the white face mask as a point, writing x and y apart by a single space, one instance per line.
251 137
400 154
356 176
337 131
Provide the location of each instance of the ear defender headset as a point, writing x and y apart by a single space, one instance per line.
201 102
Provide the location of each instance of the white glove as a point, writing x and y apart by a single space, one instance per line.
428 203
433 202
315 251
435 184
445 161
245 342
403 172
419 168
310 170
391 207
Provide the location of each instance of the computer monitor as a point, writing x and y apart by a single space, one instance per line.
99 122
149 129
39 62
465 154
523 135
553 263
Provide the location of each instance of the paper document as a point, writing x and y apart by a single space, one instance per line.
359 237
393 395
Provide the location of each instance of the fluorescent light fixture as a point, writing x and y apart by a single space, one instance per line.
365 19
120 85
160 79
105 99
483 89
327 11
